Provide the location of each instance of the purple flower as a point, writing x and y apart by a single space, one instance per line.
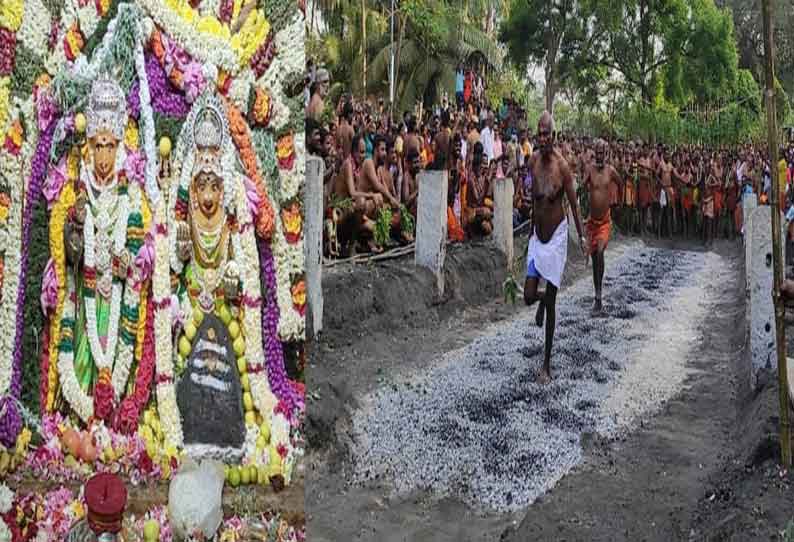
193 81
11 423
166 99
274 350
135 167
45 109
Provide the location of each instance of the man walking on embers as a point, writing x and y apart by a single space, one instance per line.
548 245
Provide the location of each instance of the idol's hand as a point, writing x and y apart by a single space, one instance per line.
231 282
183 241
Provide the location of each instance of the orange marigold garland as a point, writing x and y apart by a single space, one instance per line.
242 139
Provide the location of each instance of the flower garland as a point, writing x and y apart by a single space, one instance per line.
263 397
147 116
161 301
11 168
11 422
242 139
273 347
58 217
208 43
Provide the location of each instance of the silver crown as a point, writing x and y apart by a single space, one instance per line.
208 131
107 108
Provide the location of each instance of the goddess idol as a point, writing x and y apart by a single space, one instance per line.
94 323
220 382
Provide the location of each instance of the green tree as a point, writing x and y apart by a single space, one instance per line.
677 50
554 34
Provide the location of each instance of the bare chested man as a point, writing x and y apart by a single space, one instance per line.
548 246
345 132
366 204
319 91
597 180
665 172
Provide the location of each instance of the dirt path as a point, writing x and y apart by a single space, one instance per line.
652 484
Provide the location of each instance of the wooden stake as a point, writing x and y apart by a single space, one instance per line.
782 369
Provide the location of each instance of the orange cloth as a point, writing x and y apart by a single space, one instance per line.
599 229
453 227
718 202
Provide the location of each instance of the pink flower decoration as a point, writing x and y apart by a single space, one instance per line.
253 198
49 288
54 183
135 167
144 261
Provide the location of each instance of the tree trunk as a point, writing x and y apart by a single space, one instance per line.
551 90
364 43
397 63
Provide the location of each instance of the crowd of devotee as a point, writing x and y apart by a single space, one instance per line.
373 161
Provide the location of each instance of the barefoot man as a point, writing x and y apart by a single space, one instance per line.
598 179
548 246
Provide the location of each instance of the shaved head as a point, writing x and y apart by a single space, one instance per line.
547 121
546 134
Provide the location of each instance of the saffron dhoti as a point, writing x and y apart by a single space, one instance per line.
599 230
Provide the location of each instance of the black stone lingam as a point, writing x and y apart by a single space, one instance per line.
209 393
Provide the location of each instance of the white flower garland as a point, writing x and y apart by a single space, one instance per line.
291 326
240 88
5 533
147 116
126 354
204 47
13 167
88 18
35 26
6 499
292 180
161 294
103 358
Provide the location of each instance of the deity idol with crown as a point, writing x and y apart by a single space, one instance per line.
96 232
214 389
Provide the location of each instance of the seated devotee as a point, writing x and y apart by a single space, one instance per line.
479 206
357 221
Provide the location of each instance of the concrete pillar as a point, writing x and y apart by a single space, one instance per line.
749 204
313 241
431 224
762 311
503 218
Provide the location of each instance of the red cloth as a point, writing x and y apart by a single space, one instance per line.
599 230
106 499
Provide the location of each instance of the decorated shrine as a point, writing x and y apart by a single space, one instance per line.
152 290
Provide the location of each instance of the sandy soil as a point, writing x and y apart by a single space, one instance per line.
702 468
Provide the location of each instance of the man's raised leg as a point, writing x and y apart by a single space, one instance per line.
531 295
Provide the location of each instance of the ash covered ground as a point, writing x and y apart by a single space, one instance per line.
478 427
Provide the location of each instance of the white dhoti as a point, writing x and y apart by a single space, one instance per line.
547 260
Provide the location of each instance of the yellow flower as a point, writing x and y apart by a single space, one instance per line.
5 95
11 12
77 509
22 441
131 135
57 222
